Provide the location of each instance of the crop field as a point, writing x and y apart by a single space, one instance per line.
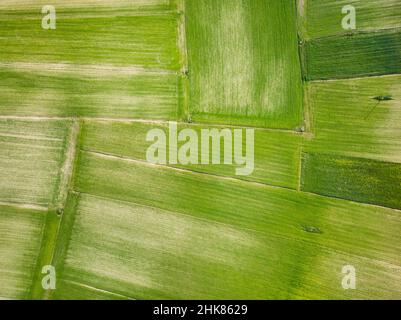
312 112
260 44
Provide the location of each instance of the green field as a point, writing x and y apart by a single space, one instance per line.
346 119
64 90
277 154
254 78
32 156
323 18
20 237
77 191
365 54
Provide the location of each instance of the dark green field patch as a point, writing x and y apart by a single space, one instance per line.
355 179
354 56
67 90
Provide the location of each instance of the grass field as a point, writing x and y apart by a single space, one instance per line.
321 18
77 191
364 54
31 159
254 78
103 91
277 154
23 229
346 119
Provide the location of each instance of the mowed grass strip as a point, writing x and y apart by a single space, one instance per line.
361 180
324 18
363 54
350 117
310 237
276 154
32 153
92 35
67 90
20 241
243 63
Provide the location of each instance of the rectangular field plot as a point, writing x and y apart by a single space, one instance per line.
67 90
309 236
276 154
32 154
364 54
357 117
324 18
20 240
243 63
355 179
140 33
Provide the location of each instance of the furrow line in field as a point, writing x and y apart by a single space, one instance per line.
357 33
182 45
98 290
195 172
355 78
95 70
254 183
132 120
27 206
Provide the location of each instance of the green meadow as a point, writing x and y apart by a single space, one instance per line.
77 190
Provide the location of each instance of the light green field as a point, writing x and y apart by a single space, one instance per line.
102 91
347 120
279 219
77 193
92 35
20 239
243 63
277 154
323 18
32 155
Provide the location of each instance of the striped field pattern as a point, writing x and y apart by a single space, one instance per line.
77 192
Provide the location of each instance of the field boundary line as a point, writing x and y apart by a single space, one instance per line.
184 88
68 166
357 33
98 289
355 78
24 206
